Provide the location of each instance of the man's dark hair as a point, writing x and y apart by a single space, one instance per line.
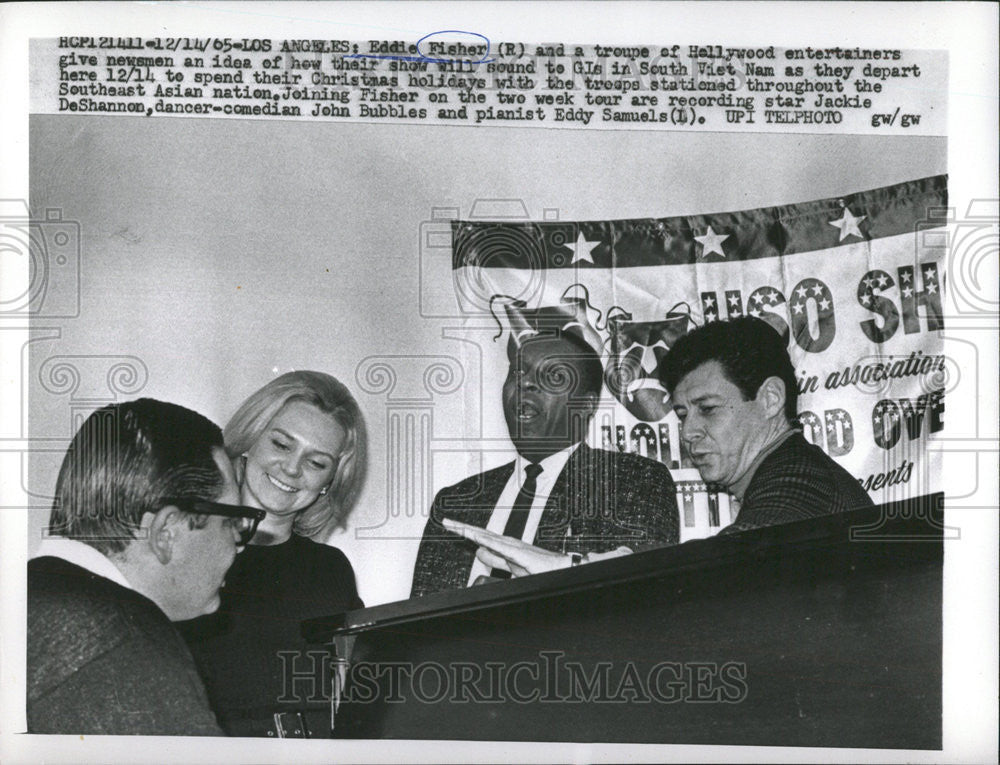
124 461
591 377
749 351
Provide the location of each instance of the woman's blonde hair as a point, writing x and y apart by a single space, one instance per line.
329 395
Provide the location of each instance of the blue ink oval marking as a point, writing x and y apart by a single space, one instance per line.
482 60
430 59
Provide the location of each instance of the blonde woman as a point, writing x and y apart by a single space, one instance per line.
298 447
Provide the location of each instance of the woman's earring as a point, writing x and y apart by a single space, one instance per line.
323 490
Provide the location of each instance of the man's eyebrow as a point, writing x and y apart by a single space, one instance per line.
703 397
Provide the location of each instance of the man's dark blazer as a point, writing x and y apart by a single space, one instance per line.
103 659
796 481
600 501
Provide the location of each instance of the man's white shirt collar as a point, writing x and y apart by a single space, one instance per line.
552 465
82 555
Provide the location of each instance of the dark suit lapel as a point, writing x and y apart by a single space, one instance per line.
444 562
583 506
557 518
493 486
476 508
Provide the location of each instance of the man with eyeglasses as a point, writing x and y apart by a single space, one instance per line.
144 526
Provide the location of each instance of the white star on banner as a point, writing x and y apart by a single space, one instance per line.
824 304
711 242
906 276
931 287
582 248
907 292
848 225
709 301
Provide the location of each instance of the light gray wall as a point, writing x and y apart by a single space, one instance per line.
220 253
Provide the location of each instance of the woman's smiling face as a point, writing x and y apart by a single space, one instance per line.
294 459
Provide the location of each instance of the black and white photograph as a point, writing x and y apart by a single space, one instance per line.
499 382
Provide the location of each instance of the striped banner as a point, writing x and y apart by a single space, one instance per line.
855 284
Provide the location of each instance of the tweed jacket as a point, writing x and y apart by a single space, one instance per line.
103 659
797 481
601 500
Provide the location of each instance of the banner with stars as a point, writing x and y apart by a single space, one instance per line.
854 283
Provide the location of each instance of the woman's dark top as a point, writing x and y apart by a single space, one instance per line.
251 654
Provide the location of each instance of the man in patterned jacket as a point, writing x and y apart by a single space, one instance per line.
560 502
734 390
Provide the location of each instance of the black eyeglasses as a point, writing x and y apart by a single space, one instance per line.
244 519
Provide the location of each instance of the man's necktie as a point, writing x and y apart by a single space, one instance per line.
518 518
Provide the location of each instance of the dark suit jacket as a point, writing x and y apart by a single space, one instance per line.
796 481
103 659
600 501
